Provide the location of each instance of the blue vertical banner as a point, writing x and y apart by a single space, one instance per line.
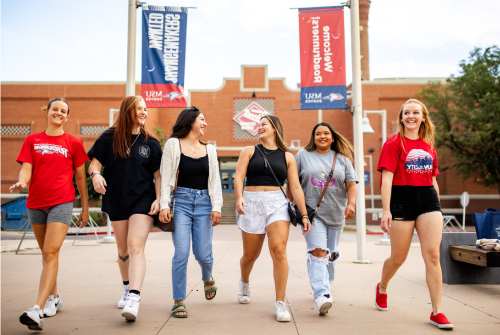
163 56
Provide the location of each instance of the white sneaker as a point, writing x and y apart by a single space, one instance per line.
52 306
323 303
33 318
123 300
281 311
244 293
131 308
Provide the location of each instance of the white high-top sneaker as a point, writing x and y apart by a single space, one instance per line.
244 293
281 311
131 308
52 306
33 318
324 303
123 300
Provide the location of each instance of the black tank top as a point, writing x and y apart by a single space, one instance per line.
193 173
258 174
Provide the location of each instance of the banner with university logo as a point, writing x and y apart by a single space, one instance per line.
322 58
163 56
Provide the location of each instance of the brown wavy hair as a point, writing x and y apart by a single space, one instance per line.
426 130
278 131
340 144
122 138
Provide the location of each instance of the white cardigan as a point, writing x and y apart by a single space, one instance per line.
169 164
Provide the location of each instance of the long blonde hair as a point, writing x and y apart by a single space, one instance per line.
340 144
278 131
426 130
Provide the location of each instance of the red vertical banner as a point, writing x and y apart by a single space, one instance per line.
322 58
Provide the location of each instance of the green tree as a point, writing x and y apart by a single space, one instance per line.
162 135
466 112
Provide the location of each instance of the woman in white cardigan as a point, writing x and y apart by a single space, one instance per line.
198 201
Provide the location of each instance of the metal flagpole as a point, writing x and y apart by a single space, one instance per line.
358 133
132 17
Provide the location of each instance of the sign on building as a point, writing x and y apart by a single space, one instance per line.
247 115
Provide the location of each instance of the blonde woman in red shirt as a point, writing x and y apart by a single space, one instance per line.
410 199
49 160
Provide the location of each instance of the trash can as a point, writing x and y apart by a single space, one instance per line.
14 213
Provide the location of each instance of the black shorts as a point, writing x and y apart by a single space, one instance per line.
143 206
408 202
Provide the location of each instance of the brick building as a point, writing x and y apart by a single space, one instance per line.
230 111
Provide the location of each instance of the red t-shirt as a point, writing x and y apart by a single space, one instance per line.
54 159
414 166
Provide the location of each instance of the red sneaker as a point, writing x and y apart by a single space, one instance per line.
380 300
440 321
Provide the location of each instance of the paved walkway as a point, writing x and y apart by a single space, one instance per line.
90 286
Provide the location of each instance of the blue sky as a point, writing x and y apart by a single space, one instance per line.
77 40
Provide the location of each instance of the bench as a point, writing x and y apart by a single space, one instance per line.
472 255
460 263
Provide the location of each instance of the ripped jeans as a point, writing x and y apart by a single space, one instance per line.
322 270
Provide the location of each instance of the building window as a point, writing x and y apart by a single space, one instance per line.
92 130
15 130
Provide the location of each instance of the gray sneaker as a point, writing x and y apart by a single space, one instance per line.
52 306
33 318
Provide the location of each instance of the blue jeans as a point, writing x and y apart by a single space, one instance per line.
322 270
192 218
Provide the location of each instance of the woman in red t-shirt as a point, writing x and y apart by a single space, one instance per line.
410 199
49 161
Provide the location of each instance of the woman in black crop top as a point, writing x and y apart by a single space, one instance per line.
198 201
263 208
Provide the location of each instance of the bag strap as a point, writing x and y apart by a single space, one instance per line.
177 173
266 162
328 180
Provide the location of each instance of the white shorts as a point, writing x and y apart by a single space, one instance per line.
262 209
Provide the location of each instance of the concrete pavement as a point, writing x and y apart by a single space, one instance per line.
90 286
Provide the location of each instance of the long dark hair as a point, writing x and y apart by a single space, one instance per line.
122 138
184 123
340 144
47 108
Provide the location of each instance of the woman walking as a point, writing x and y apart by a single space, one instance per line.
410 199
197 201
263 207
49 161
326 163
130 187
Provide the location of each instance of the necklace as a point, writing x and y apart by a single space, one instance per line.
270 151
128 149
190 147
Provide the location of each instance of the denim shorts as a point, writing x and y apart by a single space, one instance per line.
262 209
408 202
58 213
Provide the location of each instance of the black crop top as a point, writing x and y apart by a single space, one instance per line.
193 172
258 174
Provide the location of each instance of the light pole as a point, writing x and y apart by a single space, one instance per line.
367 129
132 18
110 238
358 135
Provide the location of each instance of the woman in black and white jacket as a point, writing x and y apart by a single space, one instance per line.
198 201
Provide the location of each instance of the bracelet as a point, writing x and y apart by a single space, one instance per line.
93 174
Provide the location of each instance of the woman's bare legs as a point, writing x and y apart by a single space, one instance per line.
252 246
277 234
139 226
50 238
429 229
120 229
401 234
